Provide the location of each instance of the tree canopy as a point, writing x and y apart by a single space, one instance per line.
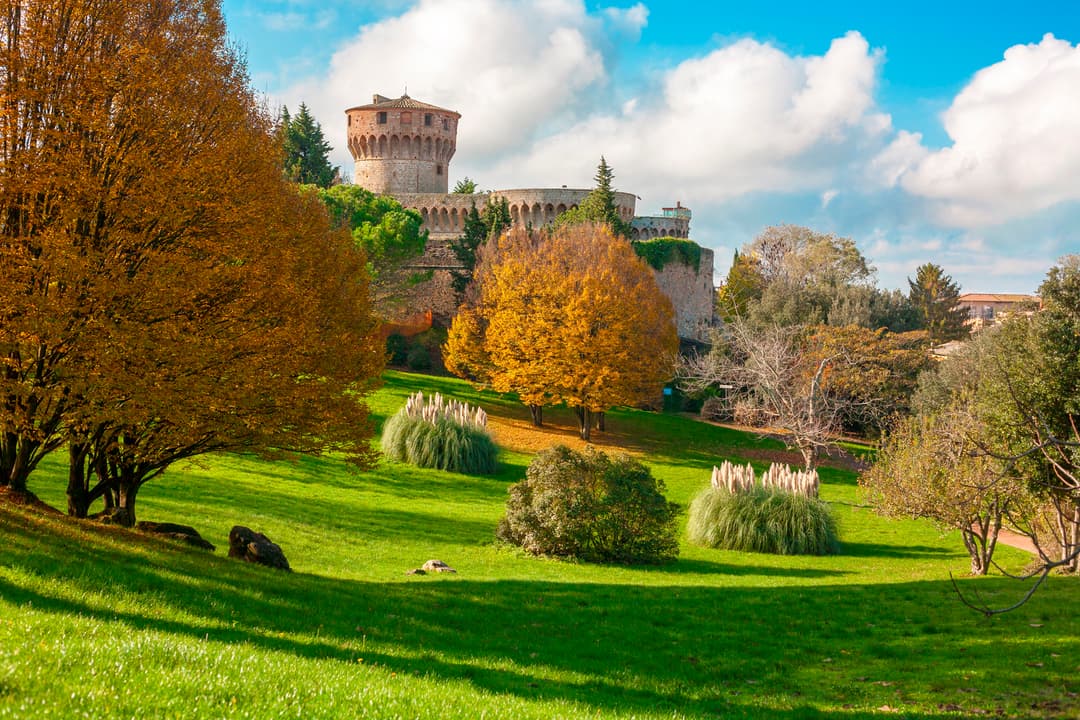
306 151
568 316
165 293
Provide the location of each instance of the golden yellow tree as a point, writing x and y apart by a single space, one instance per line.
571 316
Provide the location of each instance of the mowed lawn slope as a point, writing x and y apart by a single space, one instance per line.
105 623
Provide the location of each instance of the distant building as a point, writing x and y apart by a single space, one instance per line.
991 308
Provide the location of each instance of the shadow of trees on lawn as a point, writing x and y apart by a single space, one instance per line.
782 652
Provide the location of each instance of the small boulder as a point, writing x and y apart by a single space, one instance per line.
253 547
437 566
416 571
173 531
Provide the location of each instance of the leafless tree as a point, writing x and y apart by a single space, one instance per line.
769 368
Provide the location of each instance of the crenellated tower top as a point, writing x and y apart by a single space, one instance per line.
402 145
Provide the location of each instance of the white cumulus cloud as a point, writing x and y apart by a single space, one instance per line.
511 68
1015 131
743 118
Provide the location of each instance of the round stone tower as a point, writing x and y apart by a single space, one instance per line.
402 145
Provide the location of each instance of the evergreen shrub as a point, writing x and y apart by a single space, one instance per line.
441 434
762 520
591 507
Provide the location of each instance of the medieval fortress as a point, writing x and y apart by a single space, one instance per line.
403 147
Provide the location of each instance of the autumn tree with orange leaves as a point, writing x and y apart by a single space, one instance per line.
166 292
570 316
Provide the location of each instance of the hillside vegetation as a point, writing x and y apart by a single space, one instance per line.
102 622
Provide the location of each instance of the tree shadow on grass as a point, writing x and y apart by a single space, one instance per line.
876 550
779 652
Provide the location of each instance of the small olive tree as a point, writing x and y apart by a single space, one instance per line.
933 466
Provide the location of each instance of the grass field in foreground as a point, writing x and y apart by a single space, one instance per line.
104 623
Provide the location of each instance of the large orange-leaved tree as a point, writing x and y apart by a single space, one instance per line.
166 291
568 316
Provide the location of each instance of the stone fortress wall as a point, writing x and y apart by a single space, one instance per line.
403 147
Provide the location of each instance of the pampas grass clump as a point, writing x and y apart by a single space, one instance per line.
762 520
441 434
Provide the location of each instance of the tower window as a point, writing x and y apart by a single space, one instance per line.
438 169
381 119
406 118
445 124
427 119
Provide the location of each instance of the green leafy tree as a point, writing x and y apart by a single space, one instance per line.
937 299
307 154
389 234
742 287
465 186
599 205
808 278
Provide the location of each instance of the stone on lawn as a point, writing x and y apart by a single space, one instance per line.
253 547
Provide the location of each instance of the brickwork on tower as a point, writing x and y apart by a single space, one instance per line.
402 145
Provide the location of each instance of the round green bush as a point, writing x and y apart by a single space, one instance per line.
444 445
761 520
591 507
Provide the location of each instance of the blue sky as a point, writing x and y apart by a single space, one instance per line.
946 132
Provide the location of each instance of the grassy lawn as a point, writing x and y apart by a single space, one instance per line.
106 623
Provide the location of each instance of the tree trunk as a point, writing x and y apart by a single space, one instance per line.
537 412
584 416
78 490
600 424
124 514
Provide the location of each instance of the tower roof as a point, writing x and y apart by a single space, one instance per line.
381 102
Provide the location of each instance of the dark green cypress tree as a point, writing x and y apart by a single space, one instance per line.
307 154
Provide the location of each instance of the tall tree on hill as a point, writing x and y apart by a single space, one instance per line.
937 299
569 316
743 286
307 154
465 186
806 276
599 205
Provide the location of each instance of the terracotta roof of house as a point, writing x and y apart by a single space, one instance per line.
997 297
381 102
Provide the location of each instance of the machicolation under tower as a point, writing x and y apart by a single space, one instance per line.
402 145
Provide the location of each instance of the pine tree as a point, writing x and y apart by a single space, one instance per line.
937 299
599 205
307 154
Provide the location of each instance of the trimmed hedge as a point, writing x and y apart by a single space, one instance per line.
658 252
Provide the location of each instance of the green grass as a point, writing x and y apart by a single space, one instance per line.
103 623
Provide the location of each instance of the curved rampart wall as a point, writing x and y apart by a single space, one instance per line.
654 226
445 213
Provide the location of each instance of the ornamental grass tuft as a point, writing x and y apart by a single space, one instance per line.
762 520
442 434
